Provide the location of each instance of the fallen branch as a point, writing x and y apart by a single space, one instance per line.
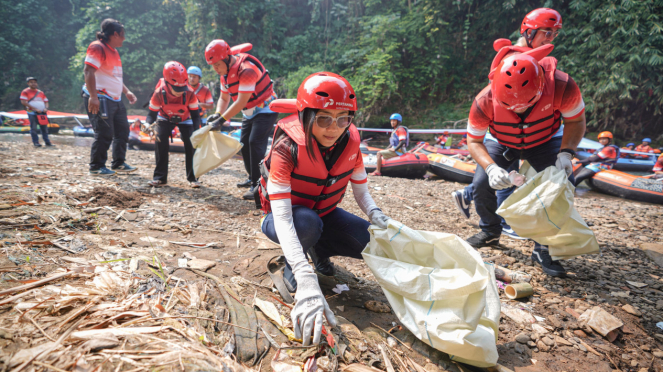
35 284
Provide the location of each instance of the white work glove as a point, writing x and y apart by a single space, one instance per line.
565 162
309 309
378 218
498 178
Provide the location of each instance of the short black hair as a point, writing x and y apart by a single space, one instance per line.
109 26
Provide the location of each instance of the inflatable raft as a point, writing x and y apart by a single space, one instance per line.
80 131
427 149
141 141
52 129
408 165
628 186
451 169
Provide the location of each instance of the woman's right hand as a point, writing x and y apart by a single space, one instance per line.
309 309
93 105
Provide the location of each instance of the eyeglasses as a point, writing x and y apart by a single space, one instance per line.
324 121
550 34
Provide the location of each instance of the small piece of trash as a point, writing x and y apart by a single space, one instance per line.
539 318
659 325
181 262
340 288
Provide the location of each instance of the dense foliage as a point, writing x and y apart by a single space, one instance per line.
424 58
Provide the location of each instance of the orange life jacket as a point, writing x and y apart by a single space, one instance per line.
543 119
312 185
264 85
173 107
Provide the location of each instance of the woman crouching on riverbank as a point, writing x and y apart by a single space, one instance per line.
304 177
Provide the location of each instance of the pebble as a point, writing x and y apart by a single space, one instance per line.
658 353
582 347
580 333
542 346
548 341
522 338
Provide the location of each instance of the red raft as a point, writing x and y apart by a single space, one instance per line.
408 165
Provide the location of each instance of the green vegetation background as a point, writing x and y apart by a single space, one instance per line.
424 58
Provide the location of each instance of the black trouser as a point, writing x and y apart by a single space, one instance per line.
163 132
255 135
34 127
583 174
114 129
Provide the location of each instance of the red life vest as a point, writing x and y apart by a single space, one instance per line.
312 185
543 120
173 107
264 84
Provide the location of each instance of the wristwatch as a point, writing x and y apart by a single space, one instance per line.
573 153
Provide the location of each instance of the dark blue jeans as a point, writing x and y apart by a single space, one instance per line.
539 157
34 126
338 233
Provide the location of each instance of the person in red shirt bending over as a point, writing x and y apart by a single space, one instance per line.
314 157
604 159
103 100
247 82
36 105
205 99
173 103
523 107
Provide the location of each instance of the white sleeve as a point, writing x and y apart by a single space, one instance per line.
285 231
363 197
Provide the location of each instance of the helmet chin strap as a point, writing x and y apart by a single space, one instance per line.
530 38
227 62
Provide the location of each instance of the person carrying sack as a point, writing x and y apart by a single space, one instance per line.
36 105
304 177
523 107
173 104
247 82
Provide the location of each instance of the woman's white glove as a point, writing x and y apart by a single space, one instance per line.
309 309
378 218
498 178
565 162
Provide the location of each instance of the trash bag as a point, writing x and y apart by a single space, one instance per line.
212 149
439 288
542 209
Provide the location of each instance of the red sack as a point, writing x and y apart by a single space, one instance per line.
42 119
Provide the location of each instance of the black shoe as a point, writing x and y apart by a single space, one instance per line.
37 144
323 265
246 183
50 145
483 239
248 195
550 267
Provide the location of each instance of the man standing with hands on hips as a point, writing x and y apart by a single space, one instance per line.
103 100
247 82
523 108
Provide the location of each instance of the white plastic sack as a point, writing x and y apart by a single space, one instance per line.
212 149
439 288
542 209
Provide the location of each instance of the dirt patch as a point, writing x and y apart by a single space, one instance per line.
108 196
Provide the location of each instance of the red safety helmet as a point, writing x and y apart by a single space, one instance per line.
175 74
605 134
518 82
217 50
541 18
326 90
